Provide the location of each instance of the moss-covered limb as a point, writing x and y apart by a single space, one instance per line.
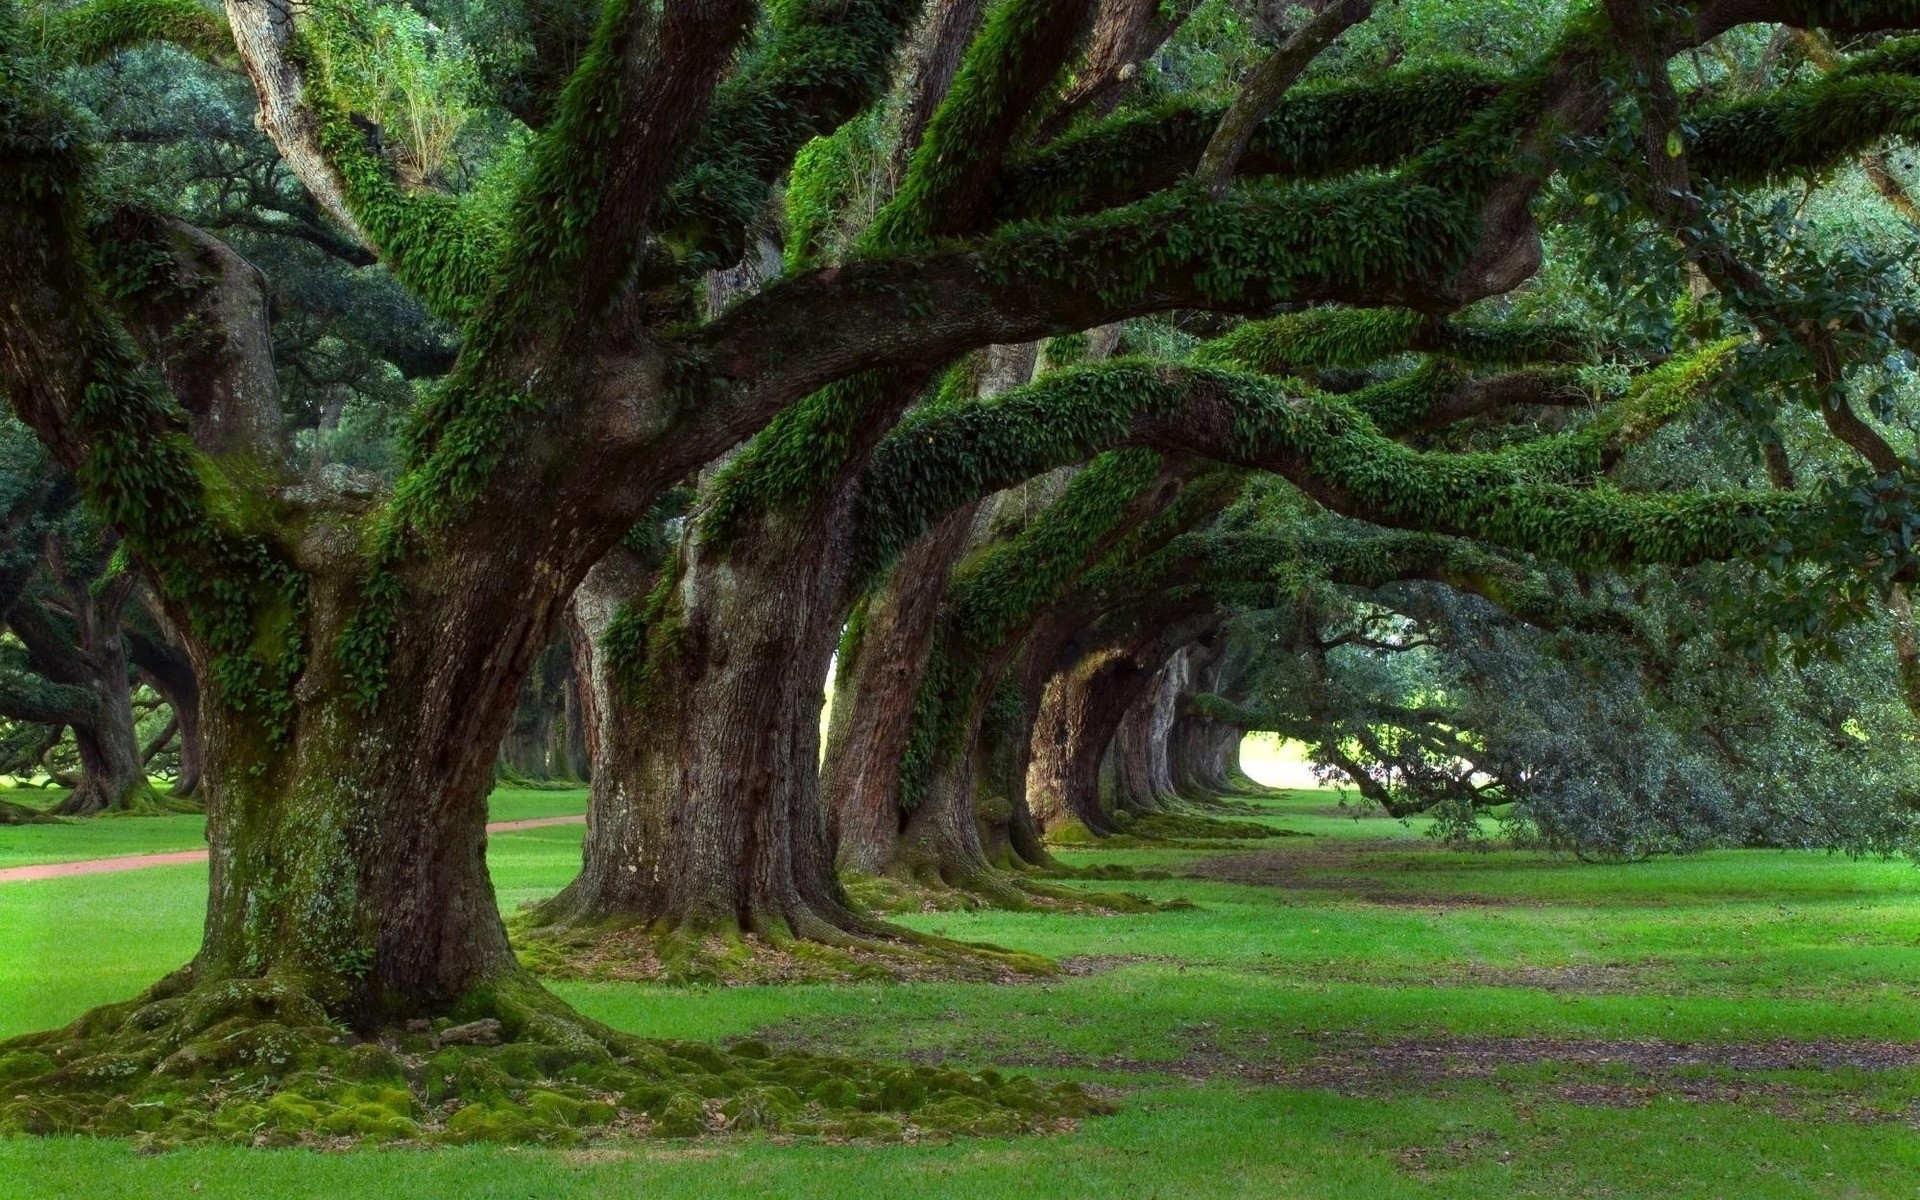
1010 64
821 64
257 1062
1015 58
90 32
1812 126
1354 338
1124 35
1318 131
433 243
1002 586
1366 241
994 598
635 103
1448 228
1438 395
27 695
1327 447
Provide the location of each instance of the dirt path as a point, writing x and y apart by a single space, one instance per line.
136 862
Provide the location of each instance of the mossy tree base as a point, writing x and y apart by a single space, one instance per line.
21 814
631 950
141 800
257 1062
1165 830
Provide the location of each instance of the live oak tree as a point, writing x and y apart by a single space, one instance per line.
75 614
773 542
361 646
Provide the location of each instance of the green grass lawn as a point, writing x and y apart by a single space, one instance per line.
110 837
1354 1014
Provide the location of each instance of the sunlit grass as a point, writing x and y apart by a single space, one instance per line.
1367 931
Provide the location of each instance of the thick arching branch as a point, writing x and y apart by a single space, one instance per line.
1514 498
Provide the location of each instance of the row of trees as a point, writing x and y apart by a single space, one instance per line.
1080 382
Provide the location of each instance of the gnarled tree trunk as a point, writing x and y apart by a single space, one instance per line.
877 683
706 813
1084 704
85 650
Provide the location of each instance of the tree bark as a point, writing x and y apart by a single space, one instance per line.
706 814
877 682
85 650
163 664
1082 708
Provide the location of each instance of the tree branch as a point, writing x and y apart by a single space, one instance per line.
1262 91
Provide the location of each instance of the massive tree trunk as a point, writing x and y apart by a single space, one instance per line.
706 813
882 661
1142 777
1203 751
1205 756
1082 709
349 851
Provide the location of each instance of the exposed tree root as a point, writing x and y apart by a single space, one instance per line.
1176 830
257 1062
20 814
141 800
636 951
1016 890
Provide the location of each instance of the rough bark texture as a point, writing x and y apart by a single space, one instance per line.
162 663
1082 709
877 682
706 811
1203 752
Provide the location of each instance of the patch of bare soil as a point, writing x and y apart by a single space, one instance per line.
1600 1073
1100 964
1324 866
1582 979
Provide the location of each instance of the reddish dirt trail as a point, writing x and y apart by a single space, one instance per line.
135 862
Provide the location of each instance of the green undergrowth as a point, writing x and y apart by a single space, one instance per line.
257 1062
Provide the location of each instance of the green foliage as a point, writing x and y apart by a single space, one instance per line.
820 64
1352 338
90 32
445 251
1812 126
387 63
835 182
1318 130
